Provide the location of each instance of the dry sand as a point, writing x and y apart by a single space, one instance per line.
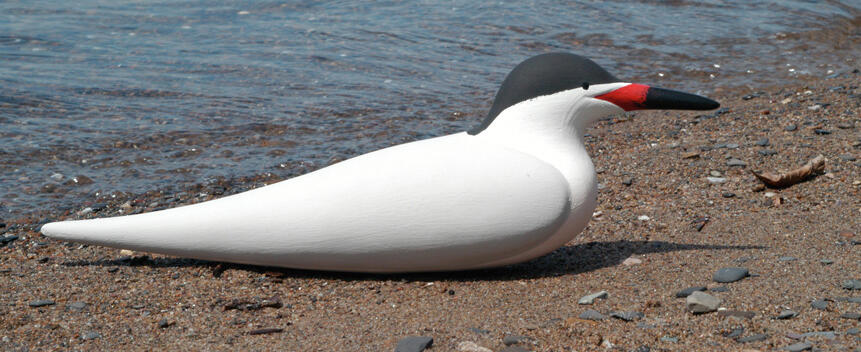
108 300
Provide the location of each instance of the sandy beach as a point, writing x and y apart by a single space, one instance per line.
677 203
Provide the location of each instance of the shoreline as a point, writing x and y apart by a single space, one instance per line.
650 164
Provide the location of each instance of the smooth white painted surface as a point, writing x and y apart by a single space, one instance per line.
518 190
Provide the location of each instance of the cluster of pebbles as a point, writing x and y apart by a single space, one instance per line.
686 251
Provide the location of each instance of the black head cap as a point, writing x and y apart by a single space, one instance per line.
545 74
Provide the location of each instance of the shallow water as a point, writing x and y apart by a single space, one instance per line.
100 97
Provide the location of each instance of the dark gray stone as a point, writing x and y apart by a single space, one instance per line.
825 334
752 338
41 303
826 261
509 340
791 127
851 284
762 142
732 145
820 131
164 323
687 292
720 289
414 344
798 347
591 314
787 314
787 259
627 316
819 304
767 152
730 274
853 316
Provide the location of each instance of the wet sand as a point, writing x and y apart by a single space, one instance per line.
799 243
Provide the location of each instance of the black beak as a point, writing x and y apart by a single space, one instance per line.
659 98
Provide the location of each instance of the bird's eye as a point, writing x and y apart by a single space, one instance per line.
585 85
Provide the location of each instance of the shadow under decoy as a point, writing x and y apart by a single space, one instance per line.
573 259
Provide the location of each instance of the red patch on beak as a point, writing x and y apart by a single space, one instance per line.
630 97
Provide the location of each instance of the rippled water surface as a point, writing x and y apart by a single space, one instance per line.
99 97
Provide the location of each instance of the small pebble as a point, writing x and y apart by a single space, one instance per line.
736 314
821 131
825 334
787 314
716 180
628 181
627 316
791 127
736 162
631 261
732 145
852 316
41 303
752 338
670 339
265 331
92 335
847 157
591 314
589 299
728 194
699 302
720 289
509 340
851 284
767 152
787 259
798 347
469 346
826 261
819 304
414 344
762 142
853 331
726 275
715 173
643 218
164 323
687 292
76 306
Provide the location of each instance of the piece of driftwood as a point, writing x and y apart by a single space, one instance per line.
786 179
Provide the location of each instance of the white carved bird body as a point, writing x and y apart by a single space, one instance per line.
516 188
